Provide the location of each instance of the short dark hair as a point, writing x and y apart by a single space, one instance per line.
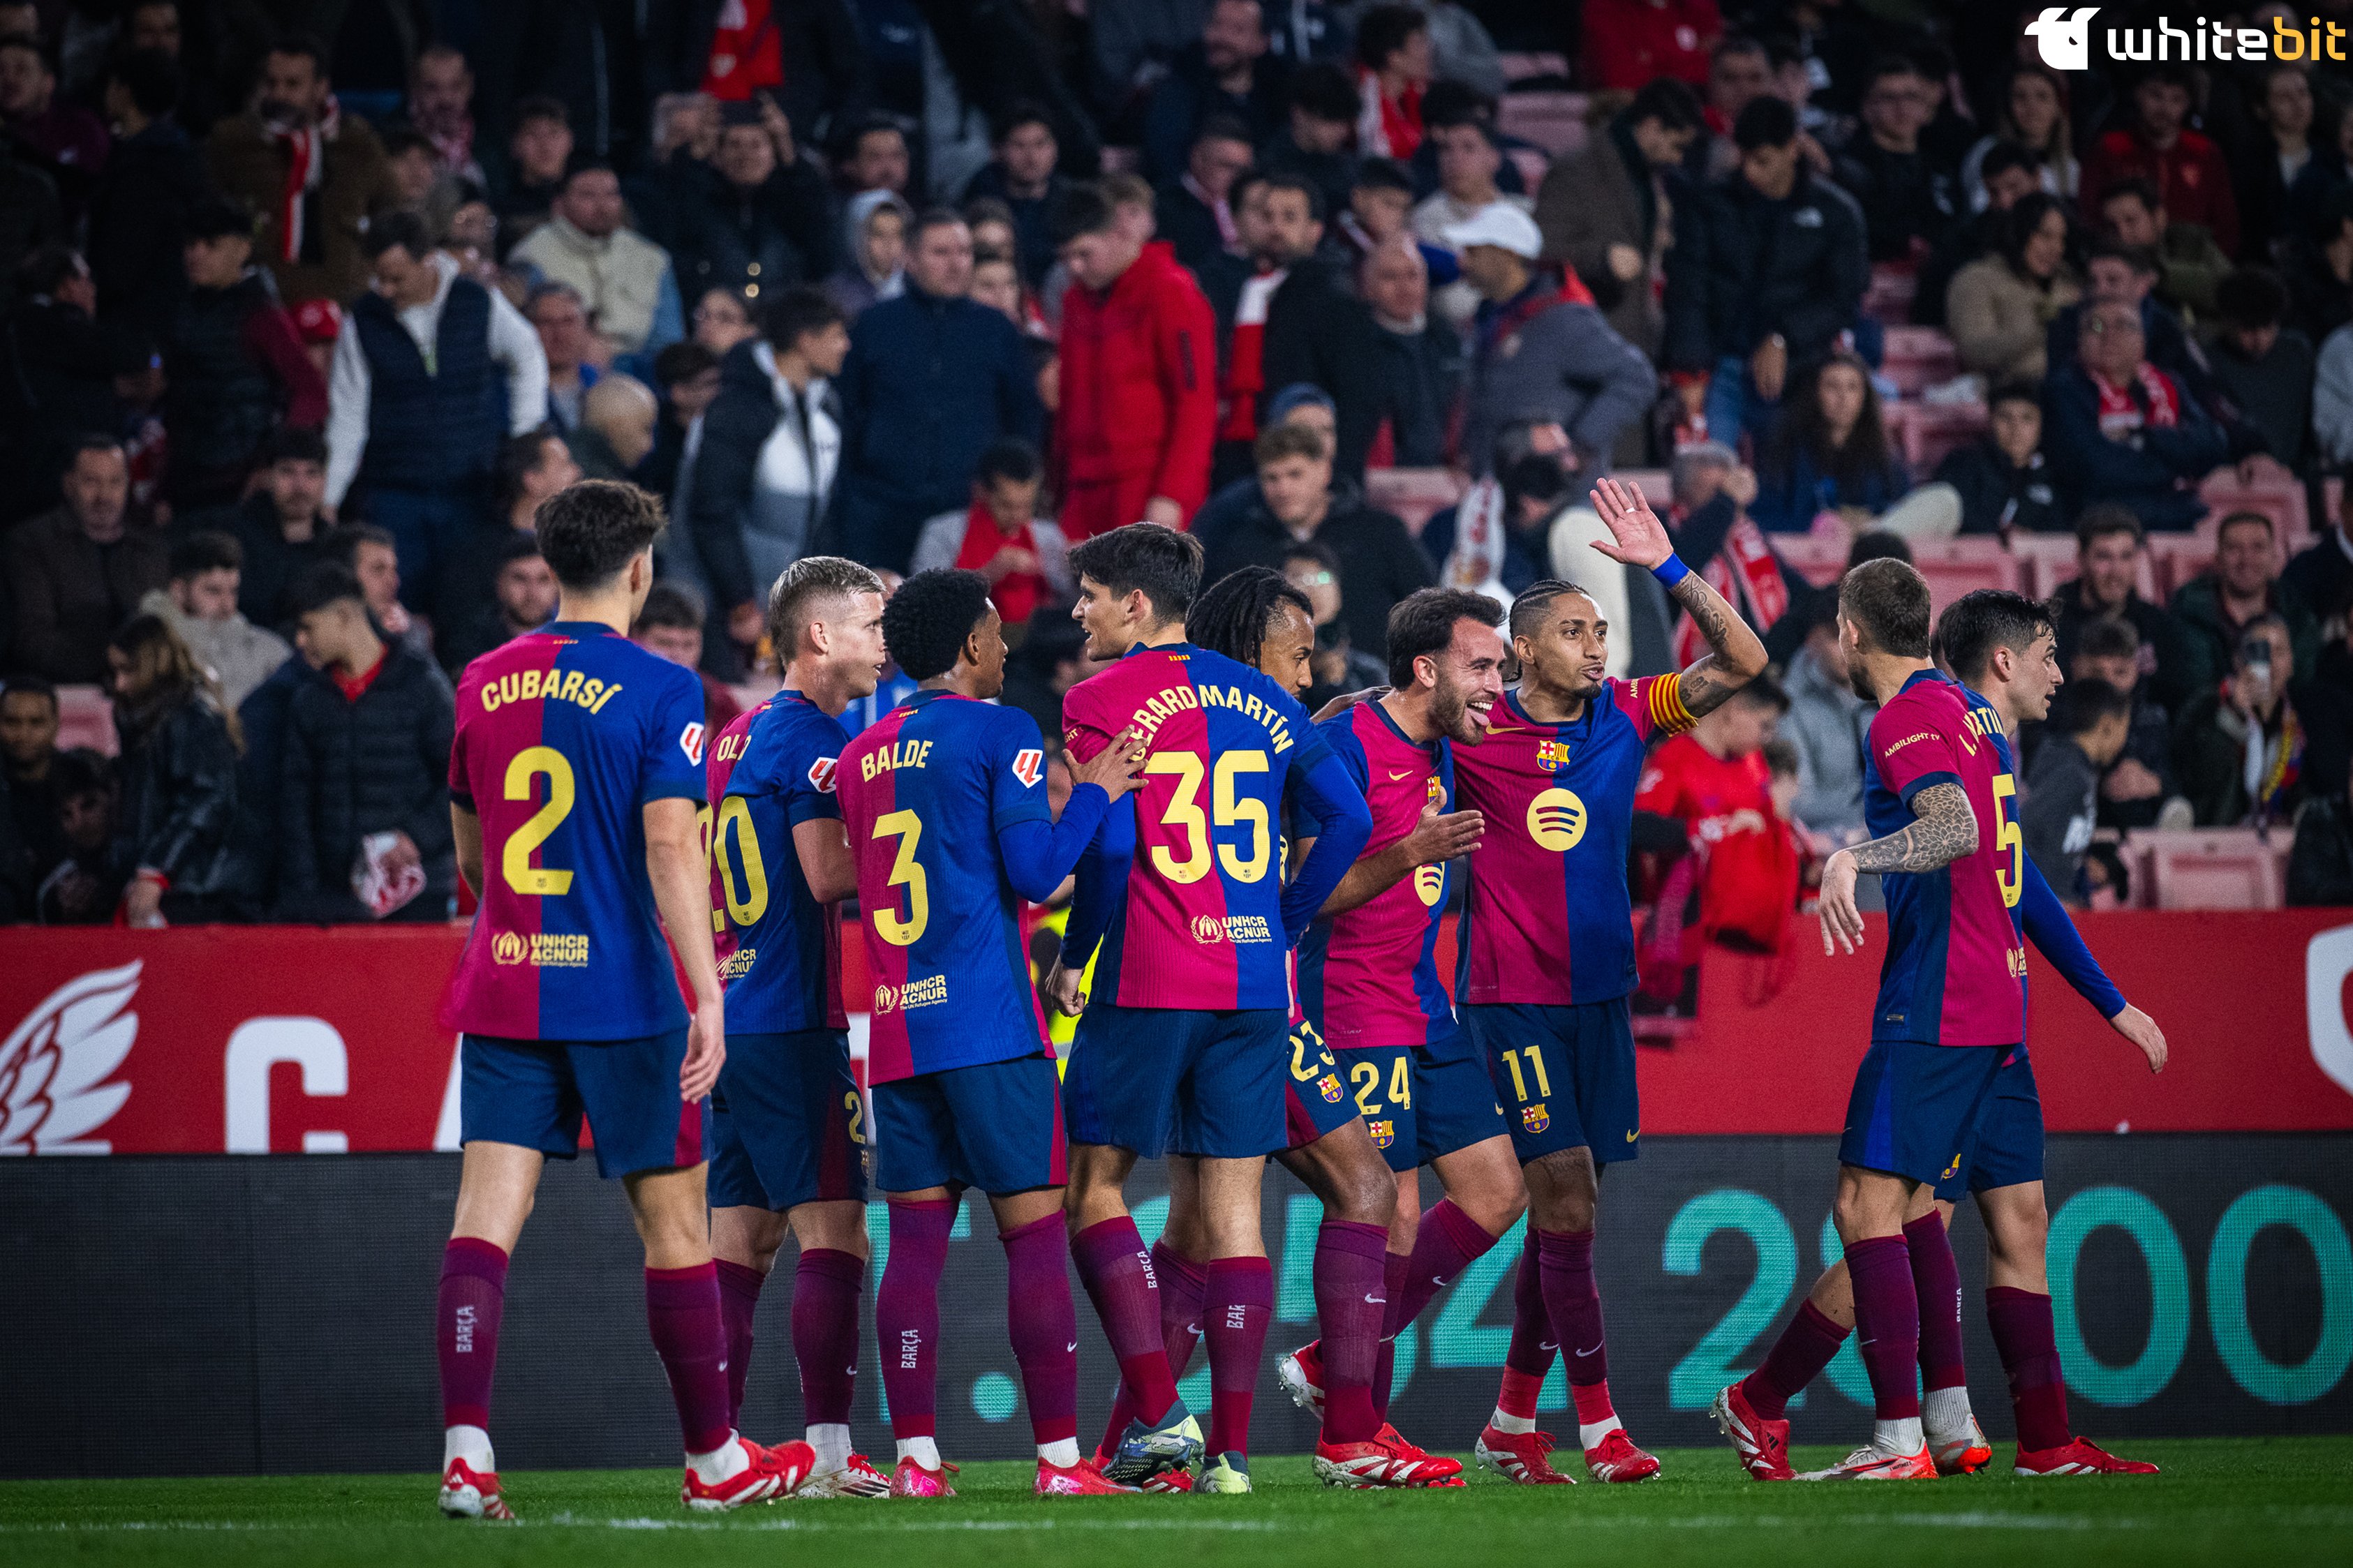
348 537
2262 519
308 44
1781 757
2081 705
1768 122
327 583
1422 624
930 218
205 550
1670 102
542 106
215 218
2249 298
683 361
2106 639
584 164
1762 690
1008 458
2014 390
1877 544
516 547
1277 442
518 456
802 588
1448 99
399 140
77 770
1232 613
795 313
152 78
1291 180
396 231
2168 74
1021 111
1324 90
1313 550
1887 65
1976 624
1221 128
2004 156
30 686
1083 209
1162 565
1378 174
93 441
1530 604
865 125
2103 519
591 529
2139 257
927 621
1383 31
1887 601
2139 187
672 606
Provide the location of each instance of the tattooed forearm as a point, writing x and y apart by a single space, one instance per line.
1736 656
1946 829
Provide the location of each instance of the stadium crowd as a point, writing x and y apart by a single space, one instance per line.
300 328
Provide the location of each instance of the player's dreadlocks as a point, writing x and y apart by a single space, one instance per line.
1231 616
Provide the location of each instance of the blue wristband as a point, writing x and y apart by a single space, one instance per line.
1671 571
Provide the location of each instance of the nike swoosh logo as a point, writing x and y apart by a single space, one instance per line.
1548 1345
1438 1280
1071 1346
1591 1348
1377 1300
1634 1134
1406 774
1192 1328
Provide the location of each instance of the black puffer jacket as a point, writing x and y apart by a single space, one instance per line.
1744 267
378 765
179 798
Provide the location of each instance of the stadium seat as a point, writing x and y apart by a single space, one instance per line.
1653 483
1958 566
2176 558
1818 558
85 718
1414 494
2282 501
1553 121
1917 358
2049 559
2210 868
1518 68
1889 297
1929 431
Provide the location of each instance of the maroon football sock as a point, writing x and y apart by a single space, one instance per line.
907 1313
1797 1358
473 1294
1351 1304
1937 1280
1044 1324
2022 1332
827 1284
1394 1267
1181 1281
1116 1269
1566 1271
683 1313
1887 1324
1237 1305
739 1297
1447 1242
1533 1345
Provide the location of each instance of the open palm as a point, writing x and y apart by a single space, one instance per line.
1641 538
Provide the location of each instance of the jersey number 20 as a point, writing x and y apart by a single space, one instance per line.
1185 815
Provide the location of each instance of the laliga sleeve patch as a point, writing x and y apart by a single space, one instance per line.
690 741
821 774
1029 765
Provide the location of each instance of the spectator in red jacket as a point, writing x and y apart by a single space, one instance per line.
2186 166
1629 42
1139 400
1716 786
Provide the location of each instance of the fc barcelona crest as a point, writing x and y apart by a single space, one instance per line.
1552 755
1384 1133
1536 1118
1329 1087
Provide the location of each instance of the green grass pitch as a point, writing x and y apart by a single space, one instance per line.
2267 1502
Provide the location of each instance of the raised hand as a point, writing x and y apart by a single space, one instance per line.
1641 538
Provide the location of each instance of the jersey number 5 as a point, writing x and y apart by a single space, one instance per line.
514 860
905 872
2009 840
1185 813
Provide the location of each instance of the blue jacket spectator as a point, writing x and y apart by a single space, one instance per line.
1831 453
1227 72
2120 429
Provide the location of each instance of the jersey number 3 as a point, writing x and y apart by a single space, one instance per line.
1185 815
905 872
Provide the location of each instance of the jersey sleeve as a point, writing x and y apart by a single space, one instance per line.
1340 735
1913 750
461 778
1654 703
1083 731
1344 825
813 763
672 768
1016 769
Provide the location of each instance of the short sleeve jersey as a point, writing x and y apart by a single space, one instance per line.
925 791
1549 921
563 736
1369 976
1201 925
783 969
1955 960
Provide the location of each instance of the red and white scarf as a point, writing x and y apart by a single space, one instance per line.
2124 414
1748 574
306 172
1245 376
1386 127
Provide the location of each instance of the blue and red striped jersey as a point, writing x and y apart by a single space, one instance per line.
926 790
563 736
1549 921
1369 976
783 970
1956 966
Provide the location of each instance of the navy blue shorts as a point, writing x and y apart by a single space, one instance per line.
787 1127
1564 1076
997 1126
1161 1080
1423 1102
1916 1107
2009 1150
1315 1096
533 1094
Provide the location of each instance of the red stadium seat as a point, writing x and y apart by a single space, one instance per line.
1918 358
1653 483
2212 868
1889 297
85 718
1932 430
2049 559
1518 68
1958 566
1818 558
2176 558
1553 121
2282 501
1414 494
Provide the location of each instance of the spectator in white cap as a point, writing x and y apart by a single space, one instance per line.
1542 354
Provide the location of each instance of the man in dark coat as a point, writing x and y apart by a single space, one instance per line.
79 572
1227 73
153 177
756 218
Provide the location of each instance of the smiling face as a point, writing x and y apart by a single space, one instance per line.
1568 650
2243 557
1465 680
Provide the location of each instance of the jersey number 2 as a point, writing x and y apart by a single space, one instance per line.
905 872
1185 813
2009 840
514 860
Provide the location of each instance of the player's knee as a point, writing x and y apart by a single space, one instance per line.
1365 1195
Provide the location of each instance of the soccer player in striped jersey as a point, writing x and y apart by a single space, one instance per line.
1547 956
786 1121
1183 1048
945 803
2000 645
576 772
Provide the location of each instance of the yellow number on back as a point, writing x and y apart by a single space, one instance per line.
1366 1077
514 861
905 872
1184 811
1233 809
2008 838
1402 1082
746 908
